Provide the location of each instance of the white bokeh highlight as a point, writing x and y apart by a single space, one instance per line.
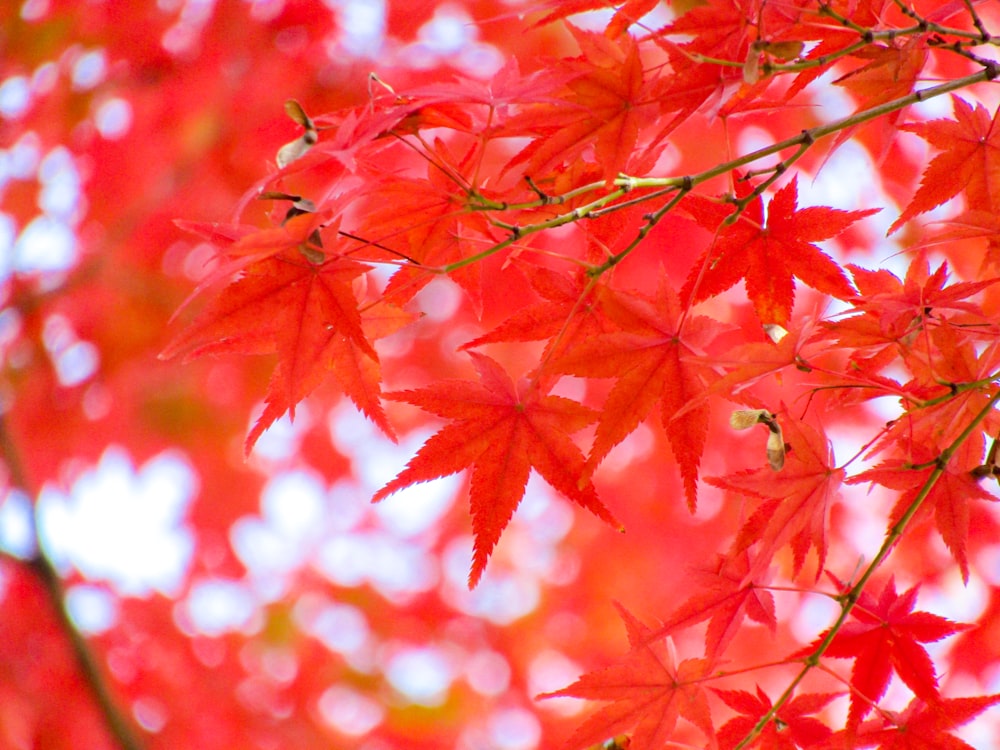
123 525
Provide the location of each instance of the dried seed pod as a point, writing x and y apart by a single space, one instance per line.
297 148
775 447
743 419
751 66
775 332
294 110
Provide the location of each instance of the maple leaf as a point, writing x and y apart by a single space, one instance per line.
649 691
650 360
571 311
717 30
948 499
791 727
627 12
920 293
891 73
624 16
947 355
606 104
305 312
884 636
428 222
796 498
238 246
969 225
969 161
501 434
888 313
922 725
757 360
768 256
725 594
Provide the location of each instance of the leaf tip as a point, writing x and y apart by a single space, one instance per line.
383 493
475 574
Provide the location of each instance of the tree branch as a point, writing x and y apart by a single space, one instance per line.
117 722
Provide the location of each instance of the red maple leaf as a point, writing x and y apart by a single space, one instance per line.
428 222
921 725
887 314
628 13
791 727
724 595
304 311
891 73
649 690
719 30
757 360
238 246
969 161
884 636
501 433
969 225
795 499
571 311
948 355
897 303
768 255
653 361
606 104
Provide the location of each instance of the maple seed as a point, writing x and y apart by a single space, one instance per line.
294 149
775 447
775 332
621 742
311 254
297 148
294 110
743 419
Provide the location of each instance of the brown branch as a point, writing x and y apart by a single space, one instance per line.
117 722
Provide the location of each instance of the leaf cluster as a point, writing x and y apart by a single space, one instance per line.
554 186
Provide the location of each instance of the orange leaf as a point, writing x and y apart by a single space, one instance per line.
649 690
653 361
884 636
969 161
605 105
305 312
792 727
795 499
501 434
768 256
